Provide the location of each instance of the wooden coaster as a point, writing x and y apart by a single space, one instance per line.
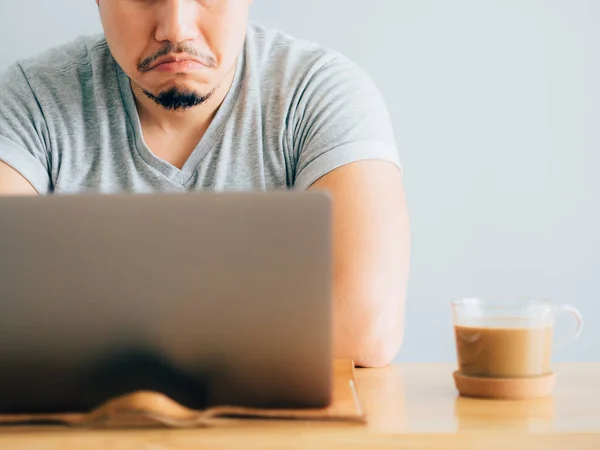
505 388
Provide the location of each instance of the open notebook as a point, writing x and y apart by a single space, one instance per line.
154 409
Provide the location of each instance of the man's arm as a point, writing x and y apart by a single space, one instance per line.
13 183
371 260
24 137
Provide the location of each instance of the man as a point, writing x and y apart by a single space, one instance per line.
181 95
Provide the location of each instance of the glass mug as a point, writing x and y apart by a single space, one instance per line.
507 338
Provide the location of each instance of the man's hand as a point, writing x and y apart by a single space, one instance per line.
13 183
371 260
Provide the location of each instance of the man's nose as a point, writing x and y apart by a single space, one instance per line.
178 21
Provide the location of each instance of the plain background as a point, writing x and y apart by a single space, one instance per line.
496 108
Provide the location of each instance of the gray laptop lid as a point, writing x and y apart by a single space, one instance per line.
208 298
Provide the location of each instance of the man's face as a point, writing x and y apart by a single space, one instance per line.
205 36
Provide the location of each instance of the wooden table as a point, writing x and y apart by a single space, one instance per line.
409 406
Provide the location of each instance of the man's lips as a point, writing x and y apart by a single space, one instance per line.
168 63
185 65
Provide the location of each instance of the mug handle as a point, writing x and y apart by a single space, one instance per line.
566 309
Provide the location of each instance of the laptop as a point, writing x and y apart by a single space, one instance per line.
209 298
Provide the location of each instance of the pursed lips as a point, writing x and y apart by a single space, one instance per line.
175 59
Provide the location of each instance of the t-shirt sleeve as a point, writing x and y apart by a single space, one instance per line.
341 119
23 130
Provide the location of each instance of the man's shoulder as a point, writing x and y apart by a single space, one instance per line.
75 57
289 63
275 52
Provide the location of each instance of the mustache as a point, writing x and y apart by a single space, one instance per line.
186 49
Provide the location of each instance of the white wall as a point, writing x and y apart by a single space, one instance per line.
496 107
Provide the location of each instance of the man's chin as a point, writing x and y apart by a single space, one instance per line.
178 98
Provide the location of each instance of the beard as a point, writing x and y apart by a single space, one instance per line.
176 99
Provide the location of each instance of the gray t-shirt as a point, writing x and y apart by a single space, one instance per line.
295 112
